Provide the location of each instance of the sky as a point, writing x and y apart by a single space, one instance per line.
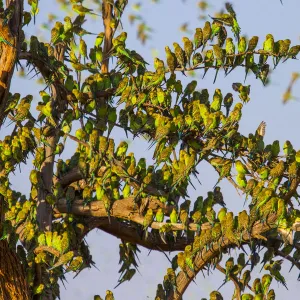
256 17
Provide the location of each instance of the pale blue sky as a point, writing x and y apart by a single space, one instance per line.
256 17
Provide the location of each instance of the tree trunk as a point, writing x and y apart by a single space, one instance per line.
13 283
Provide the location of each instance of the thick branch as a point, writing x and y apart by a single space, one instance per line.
10 32
125 209
75 175
129 233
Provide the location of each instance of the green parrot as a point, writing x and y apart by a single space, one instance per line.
268 47
274 268
206 33
57 32
159 215
189 257
82 10
242 47
228 267
127 276
179 53
148 219
277 170
293 52
241 180
121 150
184 213
109 295
83 49
215 29
215 295
218 196
268 255
261 130
197 59
13 101
265 195
171 59
100 37
189 89
219 55
263 73
229 20
228 100
288 148
241 263
230 51
222 36
174 216
283 49
217 101
241 168
188 49
208 61
252 43
271 295
236 113
160 293
22 110
198 38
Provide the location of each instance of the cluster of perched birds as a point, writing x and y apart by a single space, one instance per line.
184 125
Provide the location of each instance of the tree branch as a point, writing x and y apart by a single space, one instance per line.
128 232
10 32
205 256
108 34
288 257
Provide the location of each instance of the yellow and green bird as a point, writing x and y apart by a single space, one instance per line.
198 38
148 219
57 32
208 61
159 215
242 47
230 51
241 168
217 101
206 33
219 55
82 10
293 52
188 49
179 53
228 100
171 59
268 48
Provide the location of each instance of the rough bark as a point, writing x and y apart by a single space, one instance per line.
13 283
11 32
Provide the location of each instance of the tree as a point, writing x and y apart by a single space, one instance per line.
102 186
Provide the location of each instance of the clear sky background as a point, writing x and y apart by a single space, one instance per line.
256 17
